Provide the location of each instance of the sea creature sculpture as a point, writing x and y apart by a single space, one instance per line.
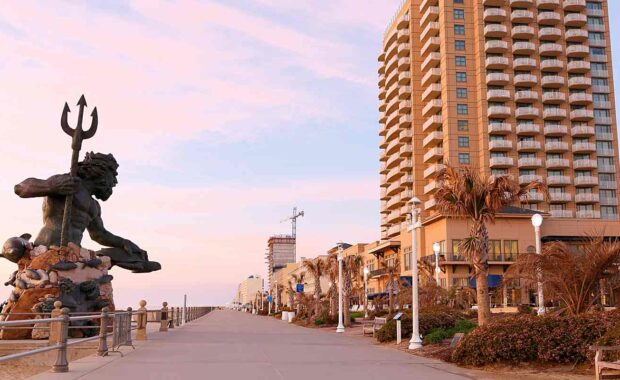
64 265
11 280
14 248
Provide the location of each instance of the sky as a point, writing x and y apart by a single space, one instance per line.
223 115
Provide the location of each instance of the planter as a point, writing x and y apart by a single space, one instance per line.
291 315
285 315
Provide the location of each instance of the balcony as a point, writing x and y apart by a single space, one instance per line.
528 146
554 114
403 35
558 180
524 63
406 135
555 130
556 146
499 111
575 19
604 136
600 73
527 179
549 34
432 45
579 83
405 121
523 48
557 163
574 5
532 198
526 96
521 3
586 180
548 18
522 31
404 50
404 106
404 64
497 63
578 67
500 145
431 187
433 154
550 49
552 81
494 14
552 65
431 30
430 204
561 213
393 147
605 152
547 4
496 46
495 30
588 214
501 162
432 107
602 104
525 80
576 35
581 115
404 78
521 16
393 189
584 164
609 201
527 112
584 147
432 75
560 197
603 120
528 129
608 185
433 170
433 91
553 97
431 14
580 98
530 162
495 95
433 138
577 51
500 128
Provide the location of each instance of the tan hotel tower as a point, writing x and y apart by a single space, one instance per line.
515 87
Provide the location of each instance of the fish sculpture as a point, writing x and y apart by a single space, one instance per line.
14 248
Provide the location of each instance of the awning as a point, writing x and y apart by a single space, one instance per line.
381 248
406 281
494 280
375 295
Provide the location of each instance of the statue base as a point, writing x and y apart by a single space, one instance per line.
72 275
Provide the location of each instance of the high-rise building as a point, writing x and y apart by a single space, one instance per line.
248 289
515 87
280 251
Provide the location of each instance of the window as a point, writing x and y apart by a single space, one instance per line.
511 250
461 77
459 45
461 93
609 212
459 14
463 125
407 258
464 158
459 30
463 142
458 1
455 249
460 60
495 250
462 109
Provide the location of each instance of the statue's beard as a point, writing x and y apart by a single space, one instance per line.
103 195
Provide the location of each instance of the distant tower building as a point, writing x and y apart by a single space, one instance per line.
280 251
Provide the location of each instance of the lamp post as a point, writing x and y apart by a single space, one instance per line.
415 341
277 297
537 221
366 271
340 328
437 249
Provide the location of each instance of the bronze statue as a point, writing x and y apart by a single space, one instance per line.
96 177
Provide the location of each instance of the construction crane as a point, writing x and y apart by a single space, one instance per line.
293 220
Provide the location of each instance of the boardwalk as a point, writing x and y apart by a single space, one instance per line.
233 345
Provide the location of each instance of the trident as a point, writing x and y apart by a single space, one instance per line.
78 135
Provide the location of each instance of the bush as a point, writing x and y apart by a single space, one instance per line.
525 309
523 338
430 319
438 335
319 322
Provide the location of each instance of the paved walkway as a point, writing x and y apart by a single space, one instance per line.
233 345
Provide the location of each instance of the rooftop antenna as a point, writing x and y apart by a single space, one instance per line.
293 220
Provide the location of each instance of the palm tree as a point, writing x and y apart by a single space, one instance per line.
316 269
332 293
572 276
465 193
290 292
351 268
393 273
298 279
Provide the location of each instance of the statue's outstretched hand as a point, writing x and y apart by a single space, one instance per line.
63 184
131 248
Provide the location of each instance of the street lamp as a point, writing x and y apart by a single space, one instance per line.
340 328
366 271
415 341
437 249
277 297
537 221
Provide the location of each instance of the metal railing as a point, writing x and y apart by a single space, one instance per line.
119 324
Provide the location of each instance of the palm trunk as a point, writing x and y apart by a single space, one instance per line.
482 271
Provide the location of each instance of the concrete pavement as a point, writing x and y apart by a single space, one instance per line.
234 345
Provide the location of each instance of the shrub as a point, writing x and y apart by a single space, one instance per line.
319 322
441 334
430 319
523 338
525 309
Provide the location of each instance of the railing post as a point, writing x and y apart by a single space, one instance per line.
128 332
102 350
164 318
62 365
142 320
177 321
171 319
55 327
